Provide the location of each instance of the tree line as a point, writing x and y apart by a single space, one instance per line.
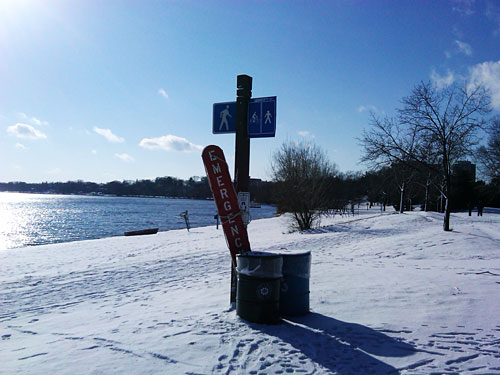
419 156
308 185
195 187
346 187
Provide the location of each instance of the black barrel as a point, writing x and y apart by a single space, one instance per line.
258 287
294 296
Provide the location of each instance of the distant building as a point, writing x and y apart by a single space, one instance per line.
465 169
255 182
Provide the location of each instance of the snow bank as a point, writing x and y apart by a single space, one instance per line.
389 293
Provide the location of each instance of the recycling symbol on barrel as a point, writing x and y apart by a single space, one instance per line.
264 291
284 287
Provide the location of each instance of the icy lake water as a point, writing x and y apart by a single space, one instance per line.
36 219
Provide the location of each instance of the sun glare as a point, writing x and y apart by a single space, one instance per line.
9 223
12 9
17 15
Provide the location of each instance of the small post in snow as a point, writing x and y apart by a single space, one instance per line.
185 216
216 217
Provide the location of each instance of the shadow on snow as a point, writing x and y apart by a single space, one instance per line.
339 346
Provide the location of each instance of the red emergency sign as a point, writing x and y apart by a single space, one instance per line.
225 200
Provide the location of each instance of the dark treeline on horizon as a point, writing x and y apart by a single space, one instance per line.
173 187
382 186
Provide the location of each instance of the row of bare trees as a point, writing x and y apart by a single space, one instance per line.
416 149
433 129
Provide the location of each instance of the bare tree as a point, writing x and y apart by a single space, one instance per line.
488 157
434 129
302 171
403 177
426 180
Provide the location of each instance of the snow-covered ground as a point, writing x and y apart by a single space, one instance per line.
390 293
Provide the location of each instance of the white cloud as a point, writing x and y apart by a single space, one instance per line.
108 134
93 152
169 143
39 122
163 93
459 48
365 108
125 157
487 74
20 146
464 47
33 120
493 14
305 134
25 131
464 7
440 82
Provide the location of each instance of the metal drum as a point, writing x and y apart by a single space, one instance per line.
258 293
294 296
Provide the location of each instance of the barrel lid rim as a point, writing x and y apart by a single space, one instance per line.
259 254
295 252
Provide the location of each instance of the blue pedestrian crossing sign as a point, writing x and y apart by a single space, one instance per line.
261 117
224 118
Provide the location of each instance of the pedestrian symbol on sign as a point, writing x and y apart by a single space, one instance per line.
268 117
262 117
223 115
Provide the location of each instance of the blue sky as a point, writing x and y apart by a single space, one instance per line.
105 90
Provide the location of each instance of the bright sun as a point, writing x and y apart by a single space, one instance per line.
17 12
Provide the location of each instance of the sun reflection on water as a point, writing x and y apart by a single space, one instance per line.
20 219
35 219
12 222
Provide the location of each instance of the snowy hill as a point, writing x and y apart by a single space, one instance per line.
390 293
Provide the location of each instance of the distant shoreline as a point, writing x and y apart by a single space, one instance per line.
106 195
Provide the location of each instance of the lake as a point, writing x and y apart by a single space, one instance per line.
37 219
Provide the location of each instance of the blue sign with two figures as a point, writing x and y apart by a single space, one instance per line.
261 117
